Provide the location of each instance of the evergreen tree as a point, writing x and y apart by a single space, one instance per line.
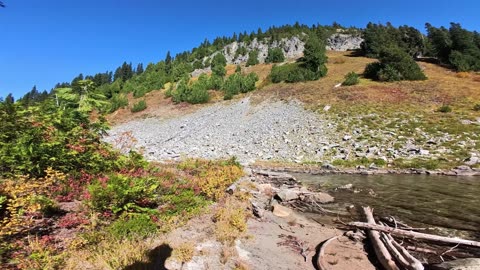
252 58
139 69
314 57
168 63
218 65
275 55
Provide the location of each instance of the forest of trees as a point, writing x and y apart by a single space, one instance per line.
395 47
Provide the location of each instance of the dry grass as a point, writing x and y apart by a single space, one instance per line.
184 252
231 220
442 87
110 254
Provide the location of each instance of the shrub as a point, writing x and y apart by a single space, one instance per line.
252 58
275 55
198 93
292 73
195 93
476 107
215 82
230 221
351 78
132 226
117 193
445 109
395 65
139 106
238 83
182 201
118 101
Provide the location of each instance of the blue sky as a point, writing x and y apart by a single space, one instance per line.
50 41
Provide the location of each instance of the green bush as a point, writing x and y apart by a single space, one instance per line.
139 106
395 65
64 139
118 101
194 94
252 58
291 73
118 193
445 109
198 94
238 83
351 78
215 82
133 226
275 55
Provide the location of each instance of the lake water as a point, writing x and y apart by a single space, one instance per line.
449 203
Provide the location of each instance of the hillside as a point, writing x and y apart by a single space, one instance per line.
183 164
389 124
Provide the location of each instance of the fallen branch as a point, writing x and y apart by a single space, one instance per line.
321 253
416 235
381 251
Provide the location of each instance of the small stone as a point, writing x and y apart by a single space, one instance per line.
424 152
328 166
346 138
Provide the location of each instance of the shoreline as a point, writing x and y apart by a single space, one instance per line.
328 170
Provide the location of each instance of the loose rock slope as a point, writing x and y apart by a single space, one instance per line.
272 130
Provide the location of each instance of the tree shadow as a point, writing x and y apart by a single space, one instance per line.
355 53
156 259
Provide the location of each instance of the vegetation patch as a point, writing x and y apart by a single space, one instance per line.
139 106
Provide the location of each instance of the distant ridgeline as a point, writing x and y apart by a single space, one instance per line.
455 47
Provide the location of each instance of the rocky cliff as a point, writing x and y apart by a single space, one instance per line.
292 48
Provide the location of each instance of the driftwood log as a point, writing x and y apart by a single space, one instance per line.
320 264
415 235
380 249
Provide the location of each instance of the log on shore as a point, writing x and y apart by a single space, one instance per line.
381 251
415 235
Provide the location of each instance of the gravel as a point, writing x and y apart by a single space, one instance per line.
272 130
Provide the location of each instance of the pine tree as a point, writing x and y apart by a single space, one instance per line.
139 69
314 57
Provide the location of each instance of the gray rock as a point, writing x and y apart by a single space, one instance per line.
460 264
287 195
328 166
321 197
472 161
463 168
344 42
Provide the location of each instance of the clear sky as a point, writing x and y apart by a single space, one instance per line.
50 41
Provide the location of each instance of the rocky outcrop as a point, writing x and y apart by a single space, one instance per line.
292 48
344 42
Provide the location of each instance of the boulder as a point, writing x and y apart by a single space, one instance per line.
460 264
322 197
472 161
281 211
287 195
